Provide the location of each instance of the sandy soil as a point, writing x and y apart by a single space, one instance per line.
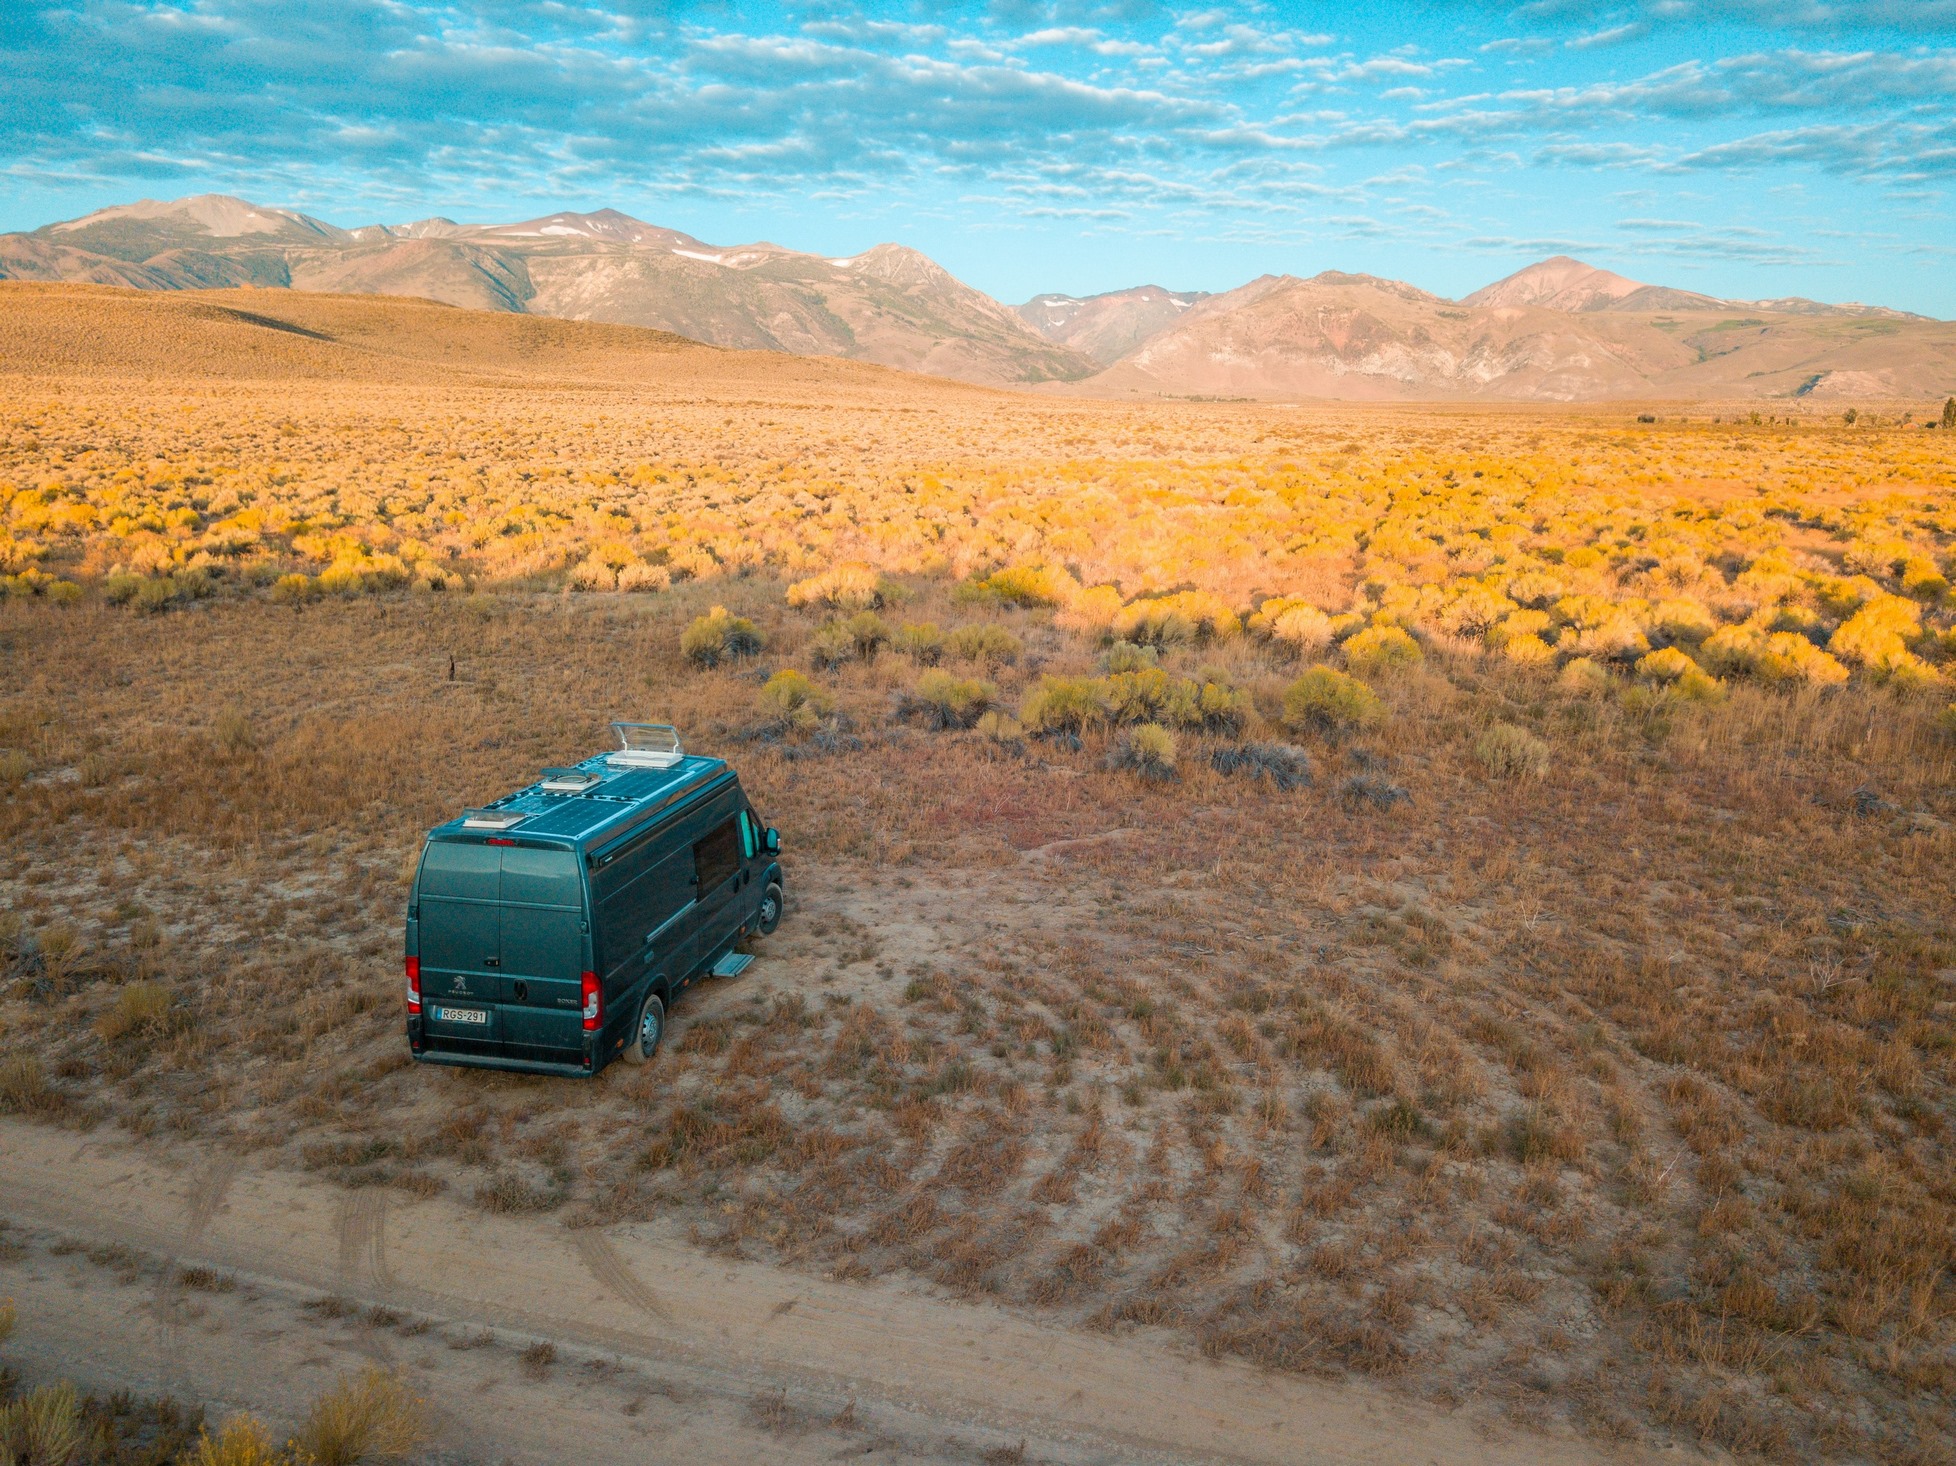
190 1274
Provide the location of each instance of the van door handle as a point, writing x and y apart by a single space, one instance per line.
492 962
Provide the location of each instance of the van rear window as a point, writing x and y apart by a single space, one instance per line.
470 871
541 877
473 872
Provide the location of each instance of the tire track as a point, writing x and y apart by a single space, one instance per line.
614 1274
362 1228
203 1196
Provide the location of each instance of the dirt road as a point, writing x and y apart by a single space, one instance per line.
182 1272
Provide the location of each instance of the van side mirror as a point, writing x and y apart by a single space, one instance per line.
772 840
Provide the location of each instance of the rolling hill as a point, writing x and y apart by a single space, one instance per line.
1559 330
1562 336
888 305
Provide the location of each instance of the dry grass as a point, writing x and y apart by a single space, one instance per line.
1547 1030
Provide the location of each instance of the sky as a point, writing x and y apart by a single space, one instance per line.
1745 148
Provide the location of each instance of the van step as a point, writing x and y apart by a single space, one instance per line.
733 964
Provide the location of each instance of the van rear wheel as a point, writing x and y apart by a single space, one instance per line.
646 1033
770 913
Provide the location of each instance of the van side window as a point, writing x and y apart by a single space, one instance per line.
749 841
716 856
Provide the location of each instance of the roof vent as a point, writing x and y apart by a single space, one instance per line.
493 819
569 781
646 746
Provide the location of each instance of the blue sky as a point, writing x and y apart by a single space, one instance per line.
1747 148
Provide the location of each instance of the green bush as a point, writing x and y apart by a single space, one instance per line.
1380 649
43 1429
1149 750
790 699
1128 656
1000 727
121 587
718 635
1508 752
1324 700
155 594
954 702
1064 705
922 642
869 632
832 645
986 642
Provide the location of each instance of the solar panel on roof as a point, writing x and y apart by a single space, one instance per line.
570 817
641 783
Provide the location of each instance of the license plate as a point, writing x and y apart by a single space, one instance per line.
461 1015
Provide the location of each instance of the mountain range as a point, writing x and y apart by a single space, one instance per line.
1559 330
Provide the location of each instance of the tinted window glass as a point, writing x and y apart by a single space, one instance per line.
717 857
473 871
749 841
541 877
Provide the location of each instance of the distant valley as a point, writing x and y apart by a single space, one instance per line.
1557 331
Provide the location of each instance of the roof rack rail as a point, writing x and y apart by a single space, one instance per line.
646 746
493 819
569 781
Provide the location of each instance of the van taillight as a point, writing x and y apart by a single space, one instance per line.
593 1001
414 986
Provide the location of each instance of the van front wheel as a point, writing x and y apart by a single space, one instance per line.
646 1033
770 913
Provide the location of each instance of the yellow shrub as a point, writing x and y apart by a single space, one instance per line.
1328 701
1094 611
851 587
1518 624
1786 657
1584 676
371 1417
342 579
1064 705
242 1441
1294 623
790 698
1381 649
1530 651
986 642
1733 649
1683 618
1031 585
643 576
1878 633
1665 666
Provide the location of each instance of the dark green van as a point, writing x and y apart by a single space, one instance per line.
550 931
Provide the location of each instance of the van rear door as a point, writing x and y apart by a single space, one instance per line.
543 928
459 905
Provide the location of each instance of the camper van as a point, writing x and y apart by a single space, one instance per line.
551 931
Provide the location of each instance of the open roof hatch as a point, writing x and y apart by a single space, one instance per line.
646 746
570 781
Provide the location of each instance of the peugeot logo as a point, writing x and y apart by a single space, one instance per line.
461 984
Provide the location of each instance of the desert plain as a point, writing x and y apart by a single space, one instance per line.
1448 903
